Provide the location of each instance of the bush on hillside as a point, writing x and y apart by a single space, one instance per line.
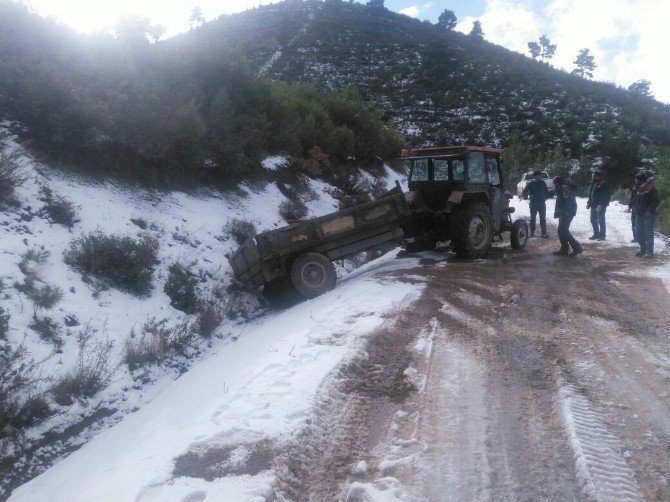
11 176
20 407
124 262
156 341
44 298
240 230
293 210
57 209
180 287
91 372
4 324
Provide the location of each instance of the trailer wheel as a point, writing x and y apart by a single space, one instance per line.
519 234
471 230
312 274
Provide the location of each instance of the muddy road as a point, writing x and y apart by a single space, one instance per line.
522 377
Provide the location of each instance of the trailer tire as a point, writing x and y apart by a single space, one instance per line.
519 234
312 274
472 230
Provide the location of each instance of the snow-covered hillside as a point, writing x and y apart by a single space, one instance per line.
91 323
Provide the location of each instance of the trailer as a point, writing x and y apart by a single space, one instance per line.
300 255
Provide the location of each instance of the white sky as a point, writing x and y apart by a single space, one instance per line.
627 37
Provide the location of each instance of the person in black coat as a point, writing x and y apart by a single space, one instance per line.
538 193
600 195
646 202
565 211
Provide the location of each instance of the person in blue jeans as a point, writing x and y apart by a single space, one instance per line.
599 198
646 202
565 211
538 193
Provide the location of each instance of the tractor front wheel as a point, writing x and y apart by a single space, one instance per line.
519 234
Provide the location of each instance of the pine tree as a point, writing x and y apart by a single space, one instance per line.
641 87
376 4
584 64
548 49
196 18
477 31
534 49
447 20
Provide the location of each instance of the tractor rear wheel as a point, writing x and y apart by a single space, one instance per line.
312 274
519 234
471 230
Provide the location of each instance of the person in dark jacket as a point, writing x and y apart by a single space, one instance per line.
631 207
599 198
566 209
538 193
646 202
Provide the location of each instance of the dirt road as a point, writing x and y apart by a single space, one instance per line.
522 377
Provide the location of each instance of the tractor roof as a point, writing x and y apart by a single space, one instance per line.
447 150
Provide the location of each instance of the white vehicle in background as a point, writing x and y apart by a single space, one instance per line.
528 177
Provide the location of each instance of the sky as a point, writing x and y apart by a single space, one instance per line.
626 37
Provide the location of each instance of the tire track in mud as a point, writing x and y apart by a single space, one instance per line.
598 456
318 460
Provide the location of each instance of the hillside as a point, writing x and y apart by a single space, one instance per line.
439 86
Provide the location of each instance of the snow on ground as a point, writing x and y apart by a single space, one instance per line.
274 162
263 384
619 233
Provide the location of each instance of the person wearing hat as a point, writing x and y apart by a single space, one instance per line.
565 211
646 202
599 198
538 193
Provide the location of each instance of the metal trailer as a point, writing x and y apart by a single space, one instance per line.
299 255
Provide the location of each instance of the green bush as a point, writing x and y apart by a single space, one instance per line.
46 297
124 262
11 176
180 287
57 209
240 230
293 210
157 341
19 406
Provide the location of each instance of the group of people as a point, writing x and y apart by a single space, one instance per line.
643 204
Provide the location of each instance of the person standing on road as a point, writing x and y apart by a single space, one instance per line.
566 209
599 198
646 202
538 193
631 206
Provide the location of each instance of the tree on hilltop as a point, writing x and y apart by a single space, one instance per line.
584 64
477 31
543 49
641 87
447 20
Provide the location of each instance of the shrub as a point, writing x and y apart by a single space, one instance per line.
209 319
11 176
48 331
622 195
292 210
46 297
19 406
180 287
240 230
124 262
158 341
57 209
4 324
91 372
